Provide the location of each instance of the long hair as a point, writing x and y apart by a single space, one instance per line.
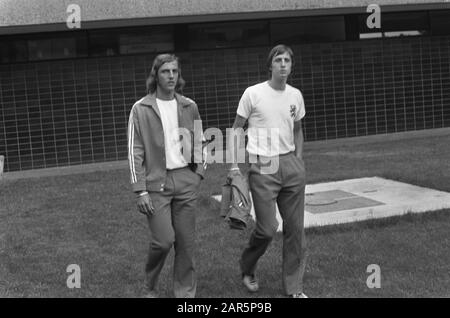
152 80
277 50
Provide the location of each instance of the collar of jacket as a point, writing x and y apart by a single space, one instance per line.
150 100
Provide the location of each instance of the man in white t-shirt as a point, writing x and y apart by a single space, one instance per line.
165 172
274 110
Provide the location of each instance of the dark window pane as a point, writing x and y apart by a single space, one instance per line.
440 22
82 44
40 49
19 51
103 43
395 25
4 51
404 21
64 48
154 39
308 29
229 34
52 48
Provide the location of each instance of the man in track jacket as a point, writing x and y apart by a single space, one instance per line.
166 167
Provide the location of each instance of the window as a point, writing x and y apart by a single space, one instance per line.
155 39
64 48
395 25
18 51
56 47
103 43
440 22
308 29
12 51
4 51
40 50
228 34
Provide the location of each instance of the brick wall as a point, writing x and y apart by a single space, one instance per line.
59 113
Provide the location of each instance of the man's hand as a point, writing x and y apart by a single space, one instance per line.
232 173
144 204
239 122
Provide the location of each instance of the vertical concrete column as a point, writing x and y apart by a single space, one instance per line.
2 160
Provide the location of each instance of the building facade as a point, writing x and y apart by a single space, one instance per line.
65 94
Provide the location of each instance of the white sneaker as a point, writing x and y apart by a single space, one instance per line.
151 294
299 295
251 283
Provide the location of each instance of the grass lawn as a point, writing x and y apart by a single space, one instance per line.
89 219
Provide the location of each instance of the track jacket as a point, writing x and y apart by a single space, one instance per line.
236 202
146 152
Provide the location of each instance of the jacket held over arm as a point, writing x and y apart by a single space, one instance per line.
236 202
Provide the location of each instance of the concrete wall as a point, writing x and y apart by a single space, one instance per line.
31 12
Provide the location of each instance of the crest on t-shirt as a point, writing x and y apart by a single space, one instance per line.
293 109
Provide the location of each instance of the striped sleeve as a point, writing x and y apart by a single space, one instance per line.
135 153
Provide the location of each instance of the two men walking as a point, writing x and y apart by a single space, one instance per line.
165 173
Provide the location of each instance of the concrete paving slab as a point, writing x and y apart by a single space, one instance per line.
336 200
363 199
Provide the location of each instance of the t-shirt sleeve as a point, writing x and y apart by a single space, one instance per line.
245 105
301 111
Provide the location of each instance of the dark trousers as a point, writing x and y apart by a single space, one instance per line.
173 223
285 187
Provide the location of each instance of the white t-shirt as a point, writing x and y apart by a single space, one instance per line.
271 115
169 119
